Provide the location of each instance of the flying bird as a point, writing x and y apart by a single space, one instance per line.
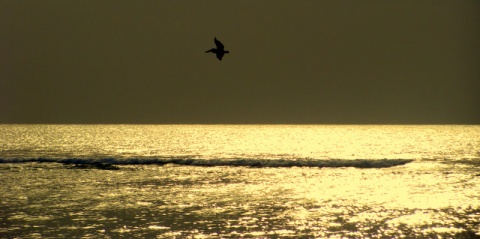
219 51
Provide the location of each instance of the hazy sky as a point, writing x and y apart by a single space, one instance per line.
323 62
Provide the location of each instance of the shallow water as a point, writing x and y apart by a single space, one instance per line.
431 196
416 200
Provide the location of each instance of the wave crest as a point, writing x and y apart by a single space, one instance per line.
272 163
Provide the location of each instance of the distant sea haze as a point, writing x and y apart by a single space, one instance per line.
231 181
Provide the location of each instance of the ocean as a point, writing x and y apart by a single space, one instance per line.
240 181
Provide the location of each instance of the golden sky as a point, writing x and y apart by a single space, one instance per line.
354 62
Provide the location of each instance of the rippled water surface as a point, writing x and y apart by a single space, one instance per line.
435 194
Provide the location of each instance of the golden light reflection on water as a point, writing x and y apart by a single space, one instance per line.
244 141
246 202
422 199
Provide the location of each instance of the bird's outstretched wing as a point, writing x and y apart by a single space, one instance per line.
218 44
212 50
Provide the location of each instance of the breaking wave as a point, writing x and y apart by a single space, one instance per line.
110 163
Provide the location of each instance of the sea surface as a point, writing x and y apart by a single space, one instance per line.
239 181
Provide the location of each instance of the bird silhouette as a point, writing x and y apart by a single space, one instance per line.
219 51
